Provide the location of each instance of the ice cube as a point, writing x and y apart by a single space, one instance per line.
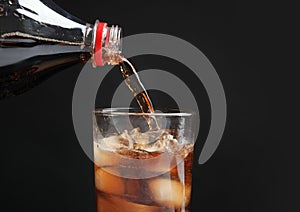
134 132
157 146
108 183
104 158
154 135
188 191
114 142
145 137
138 137
125 136
115 204
160 164
169 193
133 188
164 142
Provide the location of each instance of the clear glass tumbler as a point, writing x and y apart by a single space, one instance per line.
142 170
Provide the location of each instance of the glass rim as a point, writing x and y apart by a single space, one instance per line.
130 111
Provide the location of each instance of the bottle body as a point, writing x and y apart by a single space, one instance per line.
39 39
26 63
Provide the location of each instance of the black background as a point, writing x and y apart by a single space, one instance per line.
44 169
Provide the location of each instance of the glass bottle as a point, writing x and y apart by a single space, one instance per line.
39 39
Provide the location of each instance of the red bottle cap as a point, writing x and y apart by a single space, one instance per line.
98 44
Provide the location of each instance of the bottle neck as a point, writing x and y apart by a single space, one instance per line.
106 44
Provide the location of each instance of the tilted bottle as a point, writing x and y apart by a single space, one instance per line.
39 39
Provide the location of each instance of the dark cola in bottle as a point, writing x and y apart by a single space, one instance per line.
39 39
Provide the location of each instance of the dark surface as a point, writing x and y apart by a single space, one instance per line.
44 169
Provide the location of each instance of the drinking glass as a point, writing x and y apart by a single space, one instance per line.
141 169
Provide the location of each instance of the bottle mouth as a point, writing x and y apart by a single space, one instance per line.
113 40
107 44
